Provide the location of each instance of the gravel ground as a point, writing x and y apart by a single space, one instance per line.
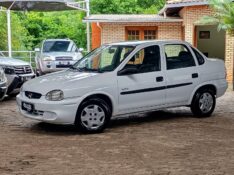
170 142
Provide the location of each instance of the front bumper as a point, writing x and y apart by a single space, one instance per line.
14 82
56 112
3 90
53 66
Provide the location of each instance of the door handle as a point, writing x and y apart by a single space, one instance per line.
195 75
159 79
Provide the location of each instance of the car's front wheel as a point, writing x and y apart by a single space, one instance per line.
203 103
93 115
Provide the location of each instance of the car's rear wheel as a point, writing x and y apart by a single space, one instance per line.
203 103
93 115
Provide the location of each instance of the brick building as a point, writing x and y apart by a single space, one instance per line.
179 19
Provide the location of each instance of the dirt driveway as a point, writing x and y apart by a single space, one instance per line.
167 142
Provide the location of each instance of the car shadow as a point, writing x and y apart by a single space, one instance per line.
157 116
141 119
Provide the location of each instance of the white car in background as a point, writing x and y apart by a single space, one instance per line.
125 78
56 54
17 72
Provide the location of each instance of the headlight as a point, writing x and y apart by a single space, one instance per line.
55 95
9 70
2 75
47 58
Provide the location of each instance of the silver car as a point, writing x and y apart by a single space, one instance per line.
56 54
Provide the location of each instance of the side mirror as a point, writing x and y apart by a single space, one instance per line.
37 49
81 49
128 71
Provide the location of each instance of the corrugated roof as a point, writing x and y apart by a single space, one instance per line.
130 18
183 1
37 5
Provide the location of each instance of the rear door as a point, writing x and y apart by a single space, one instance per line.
182 75
145 89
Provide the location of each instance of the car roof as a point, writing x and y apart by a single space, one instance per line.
57 40
136 43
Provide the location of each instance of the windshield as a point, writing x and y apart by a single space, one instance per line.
57 46
103 59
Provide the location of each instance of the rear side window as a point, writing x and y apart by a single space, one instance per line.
199 57
178 56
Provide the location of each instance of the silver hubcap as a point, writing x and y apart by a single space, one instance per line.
93 117
206 102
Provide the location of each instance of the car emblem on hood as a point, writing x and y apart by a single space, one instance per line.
29 95
25 70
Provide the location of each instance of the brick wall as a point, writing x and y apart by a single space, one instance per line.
190 16
229 55
115 32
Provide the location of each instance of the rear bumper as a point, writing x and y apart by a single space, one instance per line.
221 86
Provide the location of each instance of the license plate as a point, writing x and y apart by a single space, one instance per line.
25 78
64 63
27 107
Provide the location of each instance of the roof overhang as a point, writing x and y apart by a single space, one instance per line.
33 5
173 7
129 19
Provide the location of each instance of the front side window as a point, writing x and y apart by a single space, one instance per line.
146 60
104 59
178 56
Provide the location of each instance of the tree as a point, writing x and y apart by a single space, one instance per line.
56 25
223 15
19 32
126 7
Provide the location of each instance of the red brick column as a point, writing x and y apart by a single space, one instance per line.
96 36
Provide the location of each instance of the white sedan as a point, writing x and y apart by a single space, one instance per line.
125 78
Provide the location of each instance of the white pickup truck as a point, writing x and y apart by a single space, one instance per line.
17 72
125 78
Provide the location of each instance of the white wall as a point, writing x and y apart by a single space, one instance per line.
215 46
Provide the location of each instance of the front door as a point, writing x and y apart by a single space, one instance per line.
144 89
182 75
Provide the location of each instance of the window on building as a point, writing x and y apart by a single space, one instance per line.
141 33
178 56
149 34
133 35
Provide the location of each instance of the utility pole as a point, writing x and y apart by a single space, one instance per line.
9 32
88 24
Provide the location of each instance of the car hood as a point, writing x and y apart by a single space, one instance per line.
63 80
5 61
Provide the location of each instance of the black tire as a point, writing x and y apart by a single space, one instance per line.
196 104
102 106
